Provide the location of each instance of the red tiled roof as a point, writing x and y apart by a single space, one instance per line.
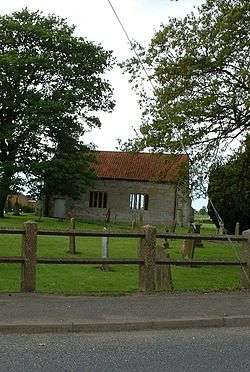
139 166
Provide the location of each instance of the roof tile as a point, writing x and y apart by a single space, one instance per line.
139 166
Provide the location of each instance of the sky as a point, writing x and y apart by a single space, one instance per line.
95 20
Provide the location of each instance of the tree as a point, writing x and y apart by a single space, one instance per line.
66 174
229 190
52 84
199 69
203 211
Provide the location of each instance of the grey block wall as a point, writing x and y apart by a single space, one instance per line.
161 205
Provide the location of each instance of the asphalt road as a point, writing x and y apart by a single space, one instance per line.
223 349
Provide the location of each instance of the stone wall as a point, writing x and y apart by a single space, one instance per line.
161 205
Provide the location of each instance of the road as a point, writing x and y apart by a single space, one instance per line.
223 349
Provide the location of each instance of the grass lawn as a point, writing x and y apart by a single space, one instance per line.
79 279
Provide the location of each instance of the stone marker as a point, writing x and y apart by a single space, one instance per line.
105 251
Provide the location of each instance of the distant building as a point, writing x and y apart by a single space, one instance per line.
129 185
21 200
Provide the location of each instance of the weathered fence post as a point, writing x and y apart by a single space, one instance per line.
72 238
29 248
245 276
163 277
147 253
187 249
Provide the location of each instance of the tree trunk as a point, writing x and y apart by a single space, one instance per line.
5 183
46 201
7 161
3 198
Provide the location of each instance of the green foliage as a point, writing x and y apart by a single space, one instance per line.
199 67
52 84
67 173
229 190
203 211
27 209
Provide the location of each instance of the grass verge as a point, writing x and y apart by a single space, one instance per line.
122 279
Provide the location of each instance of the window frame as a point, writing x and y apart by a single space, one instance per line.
138 201
98 199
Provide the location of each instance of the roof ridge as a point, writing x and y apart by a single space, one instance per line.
139 153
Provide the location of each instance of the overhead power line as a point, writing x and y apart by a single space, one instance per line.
138 56
220 221
131 44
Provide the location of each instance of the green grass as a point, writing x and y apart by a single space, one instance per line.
77 279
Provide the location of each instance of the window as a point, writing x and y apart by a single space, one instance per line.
138 201
97 199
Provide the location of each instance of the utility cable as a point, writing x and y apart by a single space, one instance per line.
131 44
141 63
216 212
230 241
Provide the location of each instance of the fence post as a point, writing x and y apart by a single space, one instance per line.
72 238
245 276
147 253
188 245
237 229
163 277
29 248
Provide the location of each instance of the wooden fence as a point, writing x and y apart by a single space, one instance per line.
149 259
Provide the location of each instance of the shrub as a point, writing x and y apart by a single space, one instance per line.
229 190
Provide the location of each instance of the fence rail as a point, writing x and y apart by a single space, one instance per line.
150 260
121 234
120 261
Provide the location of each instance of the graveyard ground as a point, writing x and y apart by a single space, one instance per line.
121 279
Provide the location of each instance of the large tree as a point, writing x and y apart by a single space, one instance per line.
199 70
229 190
51 85
67 173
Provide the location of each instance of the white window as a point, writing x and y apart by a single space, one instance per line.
138 201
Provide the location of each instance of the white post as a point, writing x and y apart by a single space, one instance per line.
237 229
105 251
105 247
221 229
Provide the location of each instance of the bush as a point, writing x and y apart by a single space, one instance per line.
229 190
27 209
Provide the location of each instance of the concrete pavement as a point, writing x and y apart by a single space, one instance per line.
37 313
